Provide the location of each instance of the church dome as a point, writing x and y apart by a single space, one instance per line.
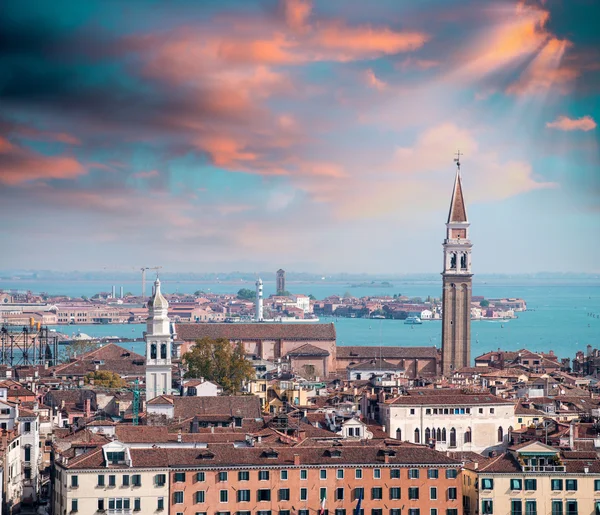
157 301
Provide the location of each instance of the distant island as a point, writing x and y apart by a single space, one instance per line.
373 284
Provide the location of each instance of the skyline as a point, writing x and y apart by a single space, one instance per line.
299 135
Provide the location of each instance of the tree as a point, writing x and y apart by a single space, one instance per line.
283 293
220 361
311 296
484 303
79 347
105 378
197 293
347 295
246 294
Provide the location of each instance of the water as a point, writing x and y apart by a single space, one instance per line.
557 318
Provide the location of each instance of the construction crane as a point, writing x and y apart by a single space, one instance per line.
143 269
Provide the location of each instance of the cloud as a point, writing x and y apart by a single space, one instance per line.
564 123
373 81
20 164
297 13
146 175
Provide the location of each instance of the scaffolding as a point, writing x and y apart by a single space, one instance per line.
31 345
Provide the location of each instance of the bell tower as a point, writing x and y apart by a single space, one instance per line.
158 346
457 284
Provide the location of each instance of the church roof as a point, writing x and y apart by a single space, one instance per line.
458 212
158 301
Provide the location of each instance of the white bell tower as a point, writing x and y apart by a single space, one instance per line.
158 346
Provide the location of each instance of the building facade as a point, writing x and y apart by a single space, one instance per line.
449 420
280 279
456 286
158 346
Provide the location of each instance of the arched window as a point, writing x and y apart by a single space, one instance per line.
399 434
500 434
163 351
468 436
452 437
427 435
444 435
417 436
153 351
438 435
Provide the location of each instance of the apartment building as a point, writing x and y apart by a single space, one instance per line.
113 479
449 419
536 478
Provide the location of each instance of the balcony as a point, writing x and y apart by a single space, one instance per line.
543 468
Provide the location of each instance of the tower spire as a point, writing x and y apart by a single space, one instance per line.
458 211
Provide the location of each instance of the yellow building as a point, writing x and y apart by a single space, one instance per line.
534 478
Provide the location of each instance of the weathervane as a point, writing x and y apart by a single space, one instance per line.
457 159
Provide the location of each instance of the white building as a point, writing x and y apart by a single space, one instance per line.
302 302
258 315
201 388
29 429
374 368
113 479
449 419
158 346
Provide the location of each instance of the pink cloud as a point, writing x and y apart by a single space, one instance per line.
20 164
373 81
146 175
564 123
297 13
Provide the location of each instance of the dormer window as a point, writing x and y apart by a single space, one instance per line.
271 454
115 458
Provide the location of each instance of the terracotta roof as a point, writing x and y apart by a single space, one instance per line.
505 463
262 331
374 364
246 406
308 350
457 212
360 352
141 434
448 396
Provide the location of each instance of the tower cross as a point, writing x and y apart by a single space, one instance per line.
457 158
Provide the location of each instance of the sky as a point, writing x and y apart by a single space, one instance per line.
314 136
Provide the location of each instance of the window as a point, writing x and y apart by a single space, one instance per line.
100 479
417 436
160 504
487 483
136 480
531 484
200 497
492 411
115 457
112 480
160 479
480 410
377 473
322 493
451 473
516 507
27 427
596 485
500 434
571 507
179 477
413 473
433 493
283 475
137 504
487 507
284 494
340 511
339 474
412 411
468 435
413 492
243 495
323 474
263 475
177 497
359 493
27 453
358 473
571 485
556 484
376 511
284 512
303 494
530 507
339 494
451 511
433 511
304 474
223 496
263 495
557 507
74 505
516 484
125 480
414 511
303 512
376 493
452 437
432 473
394 473
394 493
100 504
452 494
397 511
243 475
222 477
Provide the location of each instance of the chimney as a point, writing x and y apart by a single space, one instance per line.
179 436
87 407
62 404
386 458
586 470
476 465
296 459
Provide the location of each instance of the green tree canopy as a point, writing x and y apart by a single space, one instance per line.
220 361
283 293
246 294
311 296
78 347
105 378
484 303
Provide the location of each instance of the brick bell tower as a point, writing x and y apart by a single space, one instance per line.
457 284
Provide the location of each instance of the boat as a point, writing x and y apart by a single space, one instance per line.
413 321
